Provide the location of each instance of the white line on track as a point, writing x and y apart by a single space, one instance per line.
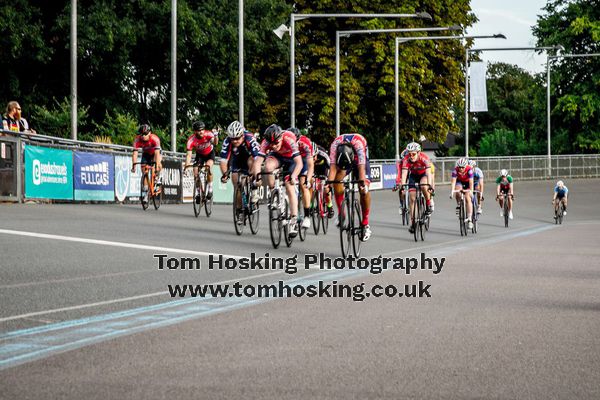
79 278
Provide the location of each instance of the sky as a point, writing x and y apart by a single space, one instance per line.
513 18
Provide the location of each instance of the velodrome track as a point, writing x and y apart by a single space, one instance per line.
515 313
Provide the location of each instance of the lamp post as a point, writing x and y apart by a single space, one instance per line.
467 51
339 34
73 69
548 124
408 39
298 17
173 75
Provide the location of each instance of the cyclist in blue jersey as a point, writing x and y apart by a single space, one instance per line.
561 192
477 184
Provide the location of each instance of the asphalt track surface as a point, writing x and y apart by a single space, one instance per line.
514 313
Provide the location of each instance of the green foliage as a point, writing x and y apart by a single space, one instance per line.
503 142
120 128
56 121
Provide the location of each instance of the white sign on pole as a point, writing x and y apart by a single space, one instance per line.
478 91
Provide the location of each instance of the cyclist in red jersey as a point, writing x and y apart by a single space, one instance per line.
462 179
306 173
203 142
415 167
279 149
350 153
150 145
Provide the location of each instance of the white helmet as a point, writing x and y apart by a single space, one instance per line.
472 163
413 146
235 130
504 172
462 162
560 184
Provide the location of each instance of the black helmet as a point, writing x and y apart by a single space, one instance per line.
144 129
198 125
273 133
295 131
345 155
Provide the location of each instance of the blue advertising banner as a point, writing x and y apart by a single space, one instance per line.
94 176
389 175
127 184
48 173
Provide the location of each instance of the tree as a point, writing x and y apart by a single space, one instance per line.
575 24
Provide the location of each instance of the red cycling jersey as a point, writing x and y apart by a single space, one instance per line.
288 149
358 142
305 147
147 146
202 145
464 176
417 167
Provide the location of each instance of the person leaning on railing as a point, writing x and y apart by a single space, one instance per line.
13 121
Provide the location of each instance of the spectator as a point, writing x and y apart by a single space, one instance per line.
12 120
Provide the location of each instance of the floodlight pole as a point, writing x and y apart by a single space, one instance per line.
73 69
396 77
241 61
339 34
173 75
298 17
548 124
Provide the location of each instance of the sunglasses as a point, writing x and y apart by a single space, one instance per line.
412 153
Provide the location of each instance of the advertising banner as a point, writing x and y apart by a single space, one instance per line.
171 179
94 176
389 175
127 184
376 177
223 192
478 90
187 183
48 173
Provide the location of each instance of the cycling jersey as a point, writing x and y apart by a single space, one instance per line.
322 162
248 146
358 142
417 167
148 146
203 144
560 193
463 176
305 147
288 149
477 175
504 181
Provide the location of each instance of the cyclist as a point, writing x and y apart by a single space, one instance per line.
322 165
505 185
350 153
415 167
478 184
238 152
306 174
561 192
203 142
462 179
150 145
279 149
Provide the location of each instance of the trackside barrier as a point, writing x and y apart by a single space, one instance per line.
10 168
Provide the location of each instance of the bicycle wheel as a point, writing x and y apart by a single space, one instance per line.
506 211
474 215
422 217
286 226
253 211
275 218
207 202
323 213
156 195
239 219
561 210
144 195
301 216
315 210
345 216
357 228
461 218
416 216
196 199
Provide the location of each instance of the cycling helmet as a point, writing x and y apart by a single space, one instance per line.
235 130
560 184
504 172
315 147
198 125
144 129
414 146
472 163
273 133
404 153
462 162
345 155
295 131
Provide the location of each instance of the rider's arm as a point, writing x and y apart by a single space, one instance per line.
223 165
257 165
134 159
429 178
158 159
452 185
188 158
297 167
332 172
311 169
498 190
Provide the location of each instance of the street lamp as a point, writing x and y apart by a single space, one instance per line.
548 59
408 39
339 34
467 51
298 17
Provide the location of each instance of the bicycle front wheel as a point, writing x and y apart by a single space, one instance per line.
144 194
238 211
345 217
197 198
156 196
275 225
286 227
357 229
506 211
207 201
253 211
316 209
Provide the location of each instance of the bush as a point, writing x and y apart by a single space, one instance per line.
57 121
